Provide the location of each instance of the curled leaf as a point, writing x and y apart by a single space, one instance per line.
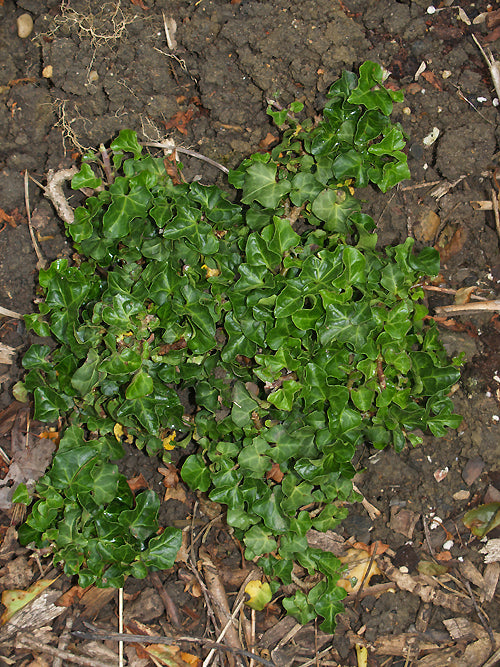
482 519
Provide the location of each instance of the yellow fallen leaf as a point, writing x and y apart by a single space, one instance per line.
168 440
17 599
358 562
362 655
118 431
260 594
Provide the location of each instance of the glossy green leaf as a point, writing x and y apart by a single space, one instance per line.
141 385
163 549
334 207
86 377
260 185
258 541
85 178
195 473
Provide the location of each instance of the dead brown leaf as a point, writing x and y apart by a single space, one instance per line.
140 3
170 347
30 457
170 475
269 139
172 169
454 245
165 654
5 217
17 574
51 435
403 521
431 78
72 595
138 482
8 416
380 547
275 473
464 294
179 121
493 36
427 226
176 493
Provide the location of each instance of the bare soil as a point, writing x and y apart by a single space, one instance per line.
91 68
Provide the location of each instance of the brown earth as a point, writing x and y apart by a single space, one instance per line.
111 68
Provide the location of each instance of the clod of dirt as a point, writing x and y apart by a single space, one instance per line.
492 495
460 152
146 607
473 469
403 521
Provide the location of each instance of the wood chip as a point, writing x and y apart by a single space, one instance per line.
490 577
470 572
492 551
7 354
427 593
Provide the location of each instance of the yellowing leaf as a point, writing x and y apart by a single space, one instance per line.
17 599
211 273
118 431
171 656
260 594
358 563
362 655
168 440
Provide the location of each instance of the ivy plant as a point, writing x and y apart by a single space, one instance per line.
269 332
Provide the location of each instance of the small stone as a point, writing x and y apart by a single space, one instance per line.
440 474
47 72
24 25
492 495
463 494
93 76
473 469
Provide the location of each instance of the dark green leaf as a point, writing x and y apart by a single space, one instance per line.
260 185
162 550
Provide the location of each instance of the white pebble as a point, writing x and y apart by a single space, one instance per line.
431 137
24 25
431 9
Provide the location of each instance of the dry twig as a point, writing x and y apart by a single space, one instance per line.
159 639
425 592
170 147
494 200
34 646
168 603
10 313
467 308
41 264
493 66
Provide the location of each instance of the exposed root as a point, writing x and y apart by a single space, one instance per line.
53 191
